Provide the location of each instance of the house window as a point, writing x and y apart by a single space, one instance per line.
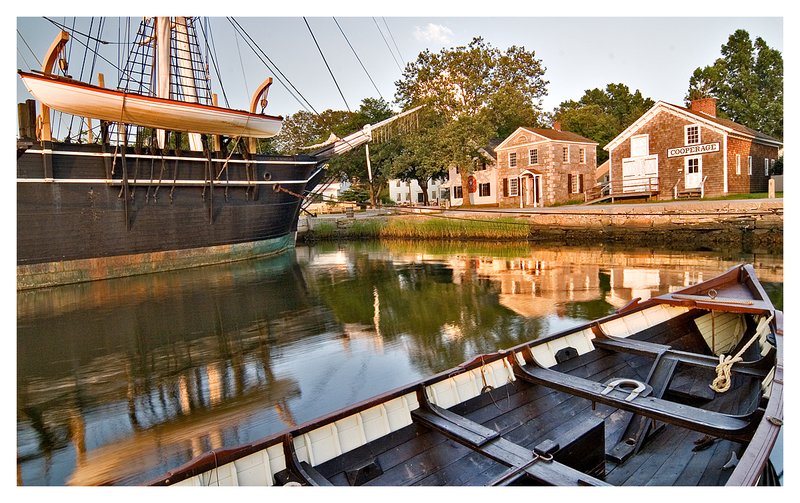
565 154
458 192
484 190
582 155
512 159
766 167
640 145
692 135
533 154
693 165
513 187
398 183
750 165
738 164
574 183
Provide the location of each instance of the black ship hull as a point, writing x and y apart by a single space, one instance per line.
87 212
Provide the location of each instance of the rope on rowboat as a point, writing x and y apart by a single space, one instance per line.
486 386
722 382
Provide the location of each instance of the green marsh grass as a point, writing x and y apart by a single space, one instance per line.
424 228
456 229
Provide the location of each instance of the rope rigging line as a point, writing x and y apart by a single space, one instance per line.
256 49
88 37
277 71
25 61
91 70
213 58
393 40
359 59
387 44
116 67
29 48
241 64
326 64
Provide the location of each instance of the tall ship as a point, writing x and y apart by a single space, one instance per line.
164 178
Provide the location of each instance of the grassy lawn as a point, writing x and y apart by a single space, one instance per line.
754 195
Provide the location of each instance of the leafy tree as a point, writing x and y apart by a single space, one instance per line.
416 158
601 115
472 94
355 194
353 165
304 129
747 81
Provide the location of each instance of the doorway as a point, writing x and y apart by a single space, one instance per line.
531 191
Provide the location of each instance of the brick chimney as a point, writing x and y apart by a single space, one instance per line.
557 125
705 105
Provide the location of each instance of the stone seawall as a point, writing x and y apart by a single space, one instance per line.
686 224
749 222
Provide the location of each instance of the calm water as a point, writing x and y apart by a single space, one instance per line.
119 381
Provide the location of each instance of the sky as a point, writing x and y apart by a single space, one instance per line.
648 52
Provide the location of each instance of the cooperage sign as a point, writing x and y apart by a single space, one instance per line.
694 149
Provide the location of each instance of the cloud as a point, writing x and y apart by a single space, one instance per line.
434 33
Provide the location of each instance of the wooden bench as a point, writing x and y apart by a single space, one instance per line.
489 443
693 418
758 368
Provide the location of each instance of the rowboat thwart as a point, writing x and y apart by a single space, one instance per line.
82 99
681 389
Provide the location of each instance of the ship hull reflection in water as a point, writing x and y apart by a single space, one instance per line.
119 381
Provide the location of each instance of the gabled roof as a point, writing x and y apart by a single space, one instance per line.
488 149
732 125
720 124
548 134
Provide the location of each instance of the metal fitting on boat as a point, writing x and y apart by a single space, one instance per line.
638 387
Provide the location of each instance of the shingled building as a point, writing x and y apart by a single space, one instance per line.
672 151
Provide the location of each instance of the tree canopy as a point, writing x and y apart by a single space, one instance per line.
747 81
472 94
601 115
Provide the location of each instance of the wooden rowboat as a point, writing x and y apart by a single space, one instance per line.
635 398
79 98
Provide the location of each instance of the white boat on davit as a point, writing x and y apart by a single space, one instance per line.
87 100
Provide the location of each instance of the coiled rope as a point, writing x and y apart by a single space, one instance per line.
722 383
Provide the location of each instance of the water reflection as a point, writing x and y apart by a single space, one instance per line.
121 380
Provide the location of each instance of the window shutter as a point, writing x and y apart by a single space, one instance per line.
505 187
569 183
580 182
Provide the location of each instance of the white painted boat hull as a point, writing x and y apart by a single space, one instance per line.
85 100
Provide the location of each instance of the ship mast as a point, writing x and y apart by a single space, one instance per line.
183 56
